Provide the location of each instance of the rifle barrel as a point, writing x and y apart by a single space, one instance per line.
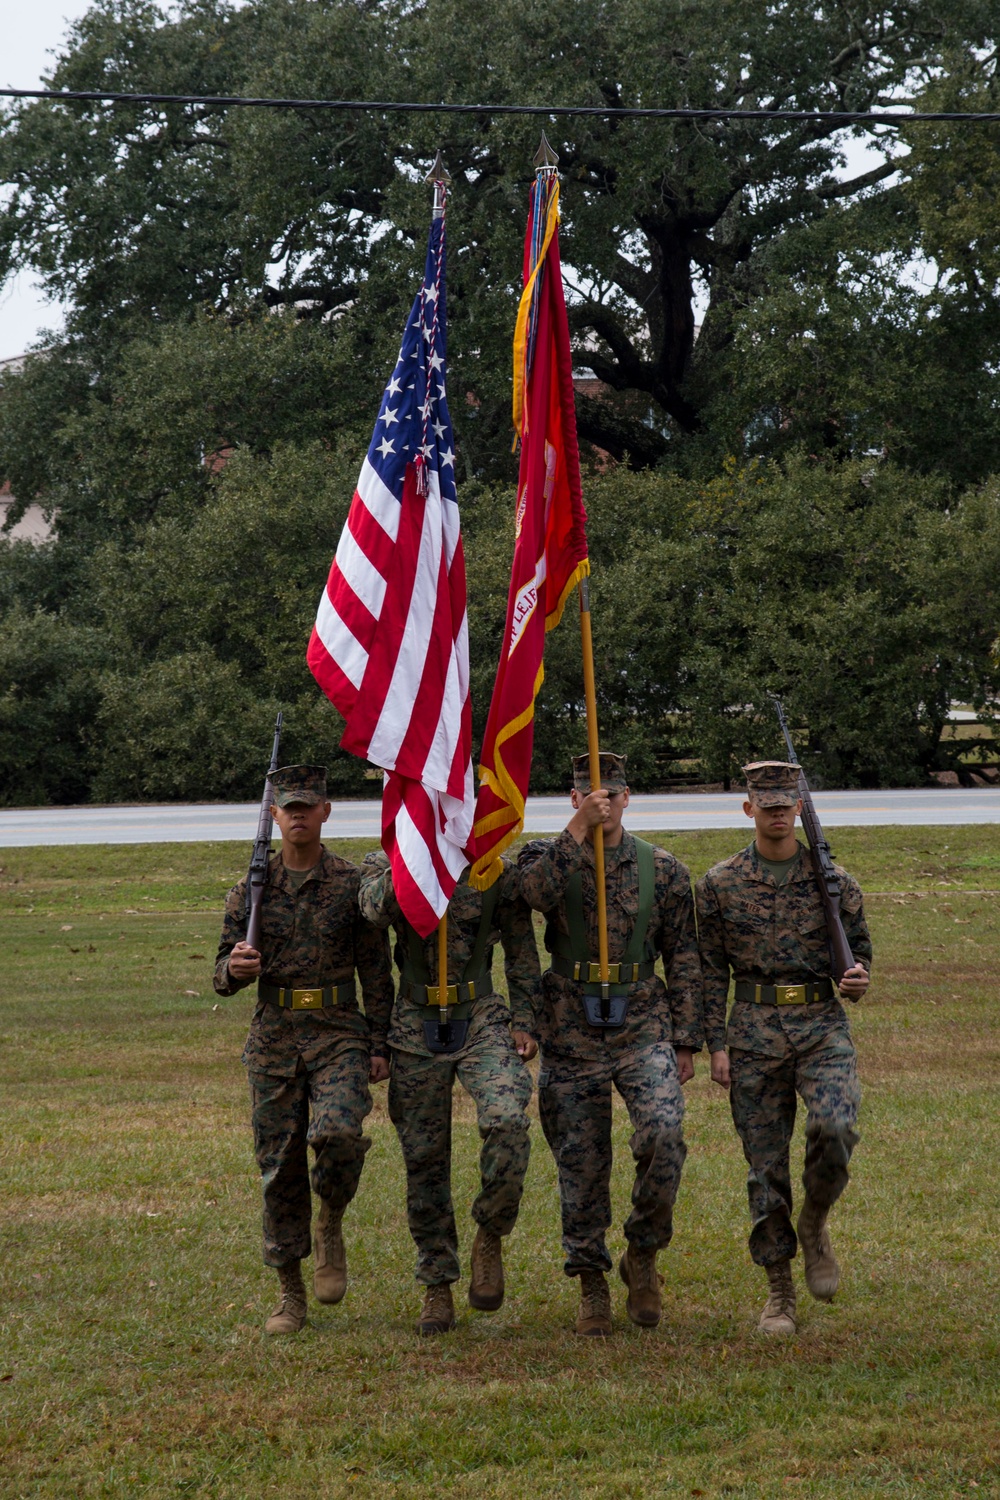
841 956
257 874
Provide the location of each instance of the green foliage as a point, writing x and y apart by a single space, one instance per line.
850 588
48 700
242 580
855 590
174 727
802 501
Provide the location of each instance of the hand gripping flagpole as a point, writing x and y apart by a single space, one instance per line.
438 175
546 167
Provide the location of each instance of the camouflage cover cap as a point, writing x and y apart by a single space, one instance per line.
772 783
613 777
299 784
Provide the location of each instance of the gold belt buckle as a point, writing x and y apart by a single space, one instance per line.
434 991
594 973
307 999
789 994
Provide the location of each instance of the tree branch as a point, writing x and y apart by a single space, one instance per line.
868 179
629 368
621 437
326 298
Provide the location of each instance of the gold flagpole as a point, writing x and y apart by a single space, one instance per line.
443 974
593 746
547 163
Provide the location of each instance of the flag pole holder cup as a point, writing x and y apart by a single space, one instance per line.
445 1036
611 1010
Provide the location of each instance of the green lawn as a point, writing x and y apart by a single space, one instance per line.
132 1361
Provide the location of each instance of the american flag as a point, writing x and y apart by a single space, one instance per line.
390 647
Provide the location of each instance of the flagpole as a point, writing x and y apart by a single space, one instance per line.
439 177
546 165
593 747
444 1028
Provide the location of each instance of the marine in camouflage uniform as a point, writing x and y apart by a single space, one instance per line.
581 1061
308 1051
489 1064
762 918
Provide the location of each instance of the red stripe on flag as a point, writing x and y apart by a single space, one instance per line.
425 715
338 688
415 878
456 778
371 536
392 621
355 614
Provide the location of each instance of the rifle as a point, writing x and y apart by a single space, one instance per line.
841 956
257 875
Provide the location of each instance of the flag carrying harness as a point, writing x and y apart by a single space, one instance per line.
475 981
571 952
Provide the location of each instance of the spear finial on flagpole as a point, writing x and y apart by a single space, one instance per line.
440 177
546 159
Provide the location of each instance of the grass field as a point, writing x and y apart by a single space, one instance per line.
132 1295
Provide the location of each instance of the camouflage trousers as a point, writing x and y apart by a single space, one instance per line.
324 1109
762 1097
420 1089
574 1101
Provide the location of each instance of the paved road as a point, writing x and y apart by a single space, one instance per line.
680 812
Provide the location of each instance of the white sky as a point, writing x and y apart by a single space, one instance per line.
31 29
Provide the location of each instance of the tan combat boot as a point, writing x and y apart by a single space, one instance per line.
329 1258
438 1312
779 1309
290 1314
486 1288
593 1318
637 1268
822 1270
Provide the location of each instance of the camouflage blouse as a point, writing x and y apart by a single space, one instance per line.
770 934
657 1011
312 936
511 928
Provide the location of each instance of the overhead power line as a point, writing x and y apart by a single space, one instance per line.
399 106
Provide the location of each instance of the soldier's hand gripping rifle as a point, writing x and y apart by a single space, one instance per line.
826 876
257 876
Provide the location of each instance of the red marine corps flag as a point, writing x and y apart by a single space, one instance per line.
550 542
390 647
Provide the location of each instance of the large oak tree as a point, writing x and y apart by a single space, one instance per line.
730 279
